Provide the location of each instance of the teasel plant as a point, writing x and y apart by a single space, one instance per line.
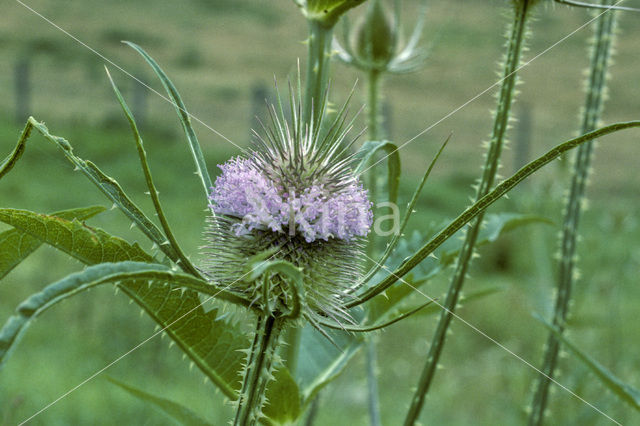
284 245
602 47
374 45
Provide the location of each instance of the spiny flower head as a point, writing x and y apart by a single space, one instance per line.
296 194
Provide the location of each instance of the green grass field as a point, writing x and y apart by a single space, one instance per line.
217 53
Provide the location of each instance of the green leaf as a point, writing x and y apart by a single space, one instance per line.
129 275
176 411
366 156
321 361
185 119
479 207
213 345
495 226
184 262
88 245
625 392
283 406
16 245
106 184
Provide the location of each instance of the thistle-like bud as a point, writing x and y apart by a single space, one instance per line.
375 36
374 43
295 194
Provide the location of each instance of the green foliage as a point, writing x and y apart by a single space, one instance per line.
177 411
322 360
185 118
366 155
626 393
16 246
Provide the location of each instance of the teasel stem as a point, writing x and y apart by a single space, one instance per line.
373 126
259 370
505 97
601 50
320 38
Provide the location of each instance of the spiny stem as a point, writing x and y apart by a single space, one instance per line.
320 37
596 85
512 61
258 372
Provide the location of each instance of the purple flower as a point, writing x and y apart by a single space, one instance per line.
316 211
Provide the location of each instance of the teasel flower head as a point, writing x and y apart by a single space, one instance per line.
374 43
294 195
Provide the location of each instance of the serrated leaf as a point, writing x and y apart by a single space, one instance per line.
211 344
176 411
16 245
366 154
106 184
88 245
622 390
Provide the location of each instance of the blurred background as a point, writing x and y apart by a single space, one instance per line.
223 56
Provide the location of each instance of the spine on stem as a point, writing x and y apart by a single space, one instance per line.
601 49
258 371
515 44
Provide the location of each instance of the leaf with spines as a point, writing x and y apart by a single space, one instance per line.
210 343
16 245
479 206
129 276
106 184
495 226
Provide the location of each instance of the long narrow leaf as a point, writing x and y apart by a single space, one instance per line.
213 345
184 263
479 206
176 411
127 272
624 391
185 119
106 184
16 245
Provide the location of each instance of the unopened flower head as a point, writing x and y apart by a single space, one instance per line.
295 193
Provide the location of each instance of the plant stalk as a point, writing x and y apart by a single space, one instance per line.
320 38
258 371
601 49
373 127
512 61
